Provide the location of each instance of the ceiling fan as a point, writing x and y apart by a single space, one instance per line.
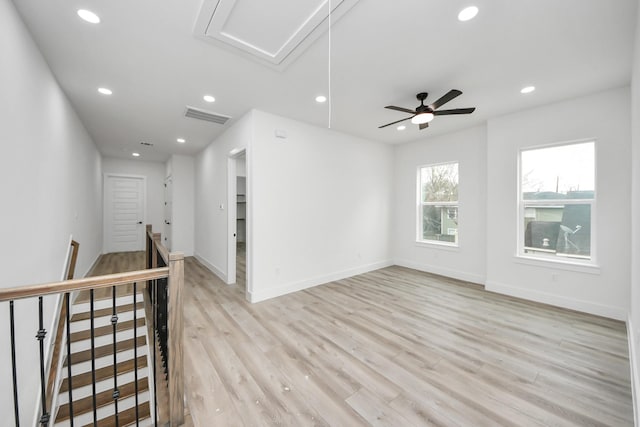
423 114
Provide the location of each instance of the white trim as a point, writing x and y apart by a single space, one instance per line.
558 263
213 268
436 244
635 380
232 216
611 312
441 271
315 281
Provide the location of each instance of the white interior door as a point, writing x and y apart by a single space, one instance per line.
124 213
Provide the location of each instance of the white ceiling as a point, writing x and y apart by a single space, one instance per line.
382 52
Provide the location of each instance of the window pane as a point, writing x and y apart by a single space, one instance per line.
562 172
439 183
562 230
440 223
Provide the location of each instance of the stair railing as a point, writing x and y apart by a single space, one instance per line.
166 299
172 273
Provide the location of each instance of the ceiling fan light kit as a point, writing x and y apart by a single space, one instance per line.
423 114
422 118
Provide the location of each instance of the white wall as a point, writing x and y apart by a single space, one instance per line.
51 188
211 192
154 173
318 206
603 291
634 318
467 261
182 219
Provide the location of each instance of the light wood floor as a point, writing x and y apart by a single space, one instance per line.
397 347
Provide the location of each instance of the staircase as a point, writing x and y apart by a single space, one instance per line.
106 366
130 351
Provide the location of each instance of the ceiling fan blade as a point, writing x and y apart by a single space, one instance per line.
446 98
455 111
393 123
424 125
404 110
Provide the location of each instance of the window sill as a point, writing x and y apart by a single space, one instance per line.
438 245
577 266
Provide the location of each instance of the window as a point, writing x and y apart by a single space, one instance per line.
438 203
557 198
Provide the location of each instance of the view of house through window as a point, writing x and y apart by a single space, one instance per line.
557 195
438 203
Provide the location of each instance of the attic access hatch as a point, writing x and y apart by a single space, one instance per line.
275 32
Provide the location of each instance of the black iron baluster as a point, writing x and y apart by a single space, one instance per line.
42 333
66 300
93 359
114 323
163 320
155 371
16 409
135 349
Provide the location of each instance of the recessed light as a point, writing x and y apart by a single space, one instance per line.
135 154
527 89
181 140
88 16
209 98
467 13
321 98
105 91
401 127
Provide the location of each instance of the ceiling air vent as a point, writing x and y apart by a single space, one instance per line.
208 116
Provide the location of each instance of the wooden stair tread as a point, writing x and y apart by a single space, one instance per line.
125 418
84 405
105 330
107 311
105 350
84 379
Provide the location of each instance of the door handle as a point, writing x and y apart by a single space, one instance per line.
167 222
139 222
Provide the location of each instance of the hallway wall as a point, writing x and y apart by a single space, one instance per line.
634 306
51 175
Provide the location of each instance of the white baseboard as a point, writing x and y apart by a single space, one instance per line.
92 266
447 272
635 380
617 313
214 269
265 294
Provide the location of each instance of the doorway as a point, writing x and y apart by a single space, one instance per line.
237 219
124 205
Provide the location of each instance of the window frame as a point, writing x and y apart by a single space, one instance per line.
444 205
523 204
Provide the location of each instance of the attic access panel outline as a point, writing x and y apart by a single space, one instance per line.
274 32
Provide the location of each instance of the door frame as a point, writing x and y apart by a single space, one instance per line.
232 214
105 201
167 214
